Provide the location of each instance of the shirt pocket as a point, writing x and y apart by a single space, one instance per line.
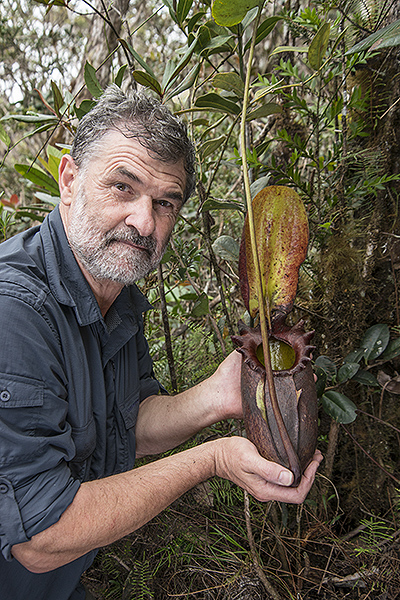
129 408
21 402
20 392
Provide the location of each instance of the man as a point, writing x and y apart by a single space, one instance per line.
78 398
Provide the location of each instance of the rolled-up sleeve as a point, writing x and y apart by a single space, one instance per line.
36 485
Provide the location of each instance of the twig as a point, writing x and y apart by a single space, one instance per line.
268 586
167 331
198 292
378 419
217 272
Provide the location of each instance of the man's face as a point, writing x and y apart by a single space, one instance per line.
124 210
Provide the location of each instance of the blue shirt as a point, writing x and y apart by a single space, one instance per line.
70 387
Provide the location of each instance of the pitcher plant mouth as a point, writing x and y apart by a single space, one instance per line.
289 347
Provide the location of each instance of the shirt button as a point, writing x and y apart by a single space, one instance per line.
5 395
3 488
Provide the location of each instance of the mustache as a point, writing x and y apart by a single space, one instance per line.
133 236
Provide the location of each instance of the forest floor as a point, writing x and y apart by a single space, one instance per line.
198 548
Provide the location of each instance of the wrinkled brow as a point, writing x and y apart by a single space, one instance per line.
178 196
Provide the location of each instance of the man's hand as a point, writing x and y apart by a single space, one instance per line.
227 385
238 460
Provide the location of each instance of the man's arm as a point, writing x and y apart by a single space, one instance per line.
105 510
164 422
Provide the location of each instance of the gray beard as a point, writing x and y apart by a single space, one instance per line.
101 254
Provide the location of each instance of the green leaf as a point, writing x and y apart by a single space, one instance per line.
321 381
280 49
347 371
183 9
392 350
4 137
355 356
213 101
179 67
38 178
120 75
53 162
194 20
32 118
168 69
264 29
47 198
147 81
366 378
169 4
208 43
231 12
230 82
259 184
137 57
185 84
318 46
339 407
84 108
375 340
281 231
386 37
327 365
247 19
57 98
203 39
219 44
201 306
210 146
227 248
213 204
264 111
92 83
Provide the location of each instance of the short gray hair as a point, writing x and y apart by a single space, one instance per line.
136 116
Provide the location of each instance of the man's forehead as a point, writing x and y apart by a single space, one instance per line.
115 142
117 153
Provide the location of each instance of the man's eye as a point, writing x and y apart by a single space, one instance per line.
165 206
122 187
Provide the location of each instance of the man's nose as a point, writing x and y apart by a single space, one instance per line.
142 216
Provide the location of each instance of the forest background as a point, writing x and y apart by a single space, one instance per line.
316 89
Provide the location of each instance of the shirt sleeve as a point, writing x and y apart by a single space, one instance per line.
36 485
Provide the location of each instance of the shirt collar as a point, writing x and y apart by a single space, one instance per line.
66 280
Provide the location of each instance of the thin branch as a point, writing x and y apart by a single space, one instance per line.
268 586
167 331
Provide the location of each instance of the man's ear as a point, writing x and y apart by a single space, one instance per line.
67 179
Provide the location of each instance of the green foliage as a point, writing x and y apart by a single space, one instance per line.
386 37
375 531
356 366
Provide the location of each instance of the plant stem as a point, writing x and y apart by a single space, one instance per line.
167 333
268 586
263 303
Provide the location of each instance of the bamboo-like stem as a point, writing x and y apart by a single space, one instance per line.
263 302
